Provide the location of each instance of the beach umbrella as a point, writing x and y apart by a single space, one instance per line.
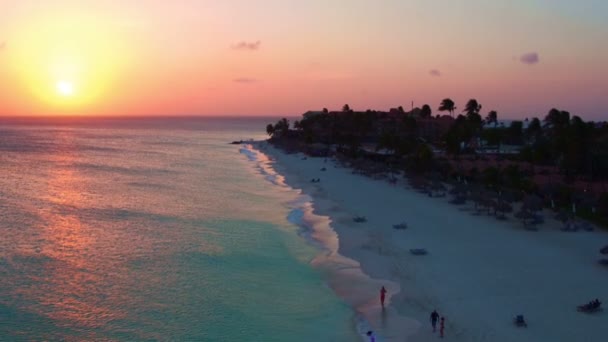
562 216
533 202
508 196
524 215
604 250
459 189
503 206
438 186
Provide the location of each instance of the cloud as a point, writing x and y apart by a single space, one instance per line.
435 73
245 80
247 46
529 58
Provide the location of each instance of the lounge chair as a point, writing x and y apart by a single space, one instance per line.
520 321
400 226
458 200
359 219
588 227
591 307
538 219
419 251
570 227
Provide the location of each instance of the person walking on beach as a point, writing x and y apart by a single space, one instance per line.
434 319
382 295
441 327
371 336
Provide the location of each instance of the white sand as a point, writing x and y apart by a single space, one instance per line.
479 273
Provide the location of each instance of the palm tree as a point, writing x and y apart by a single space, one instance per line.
281 127
297 125
447 105
492 118
472 107
270 129
557 118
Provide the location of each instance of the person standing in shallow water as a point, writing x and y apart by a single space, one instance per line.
434 319
382 295
371 336
441 327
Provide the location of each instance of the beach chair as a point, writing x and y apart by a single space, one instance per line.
458 200
538 219
519 321
419 251
590 307
569 228
359 219
400 226
587 226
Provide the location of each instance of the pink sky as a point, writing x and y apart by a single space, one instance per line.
283 57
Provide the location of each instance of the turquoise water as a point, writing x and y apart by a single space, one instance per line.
153 229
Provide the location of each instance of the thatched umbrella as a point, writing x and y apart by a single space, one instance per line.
563 216
551 191
502 207
459 189
588 201
508 196
524 215
533 203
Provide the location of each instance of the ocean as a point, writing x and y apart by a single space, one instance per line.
154 229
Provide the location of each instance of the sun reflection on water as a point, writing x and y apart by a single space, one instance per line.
71 283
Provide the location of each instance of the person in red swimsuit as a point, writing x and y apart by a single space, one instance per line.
382 295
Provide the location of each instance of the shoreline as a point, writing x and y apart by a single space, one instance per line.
477 283
342 274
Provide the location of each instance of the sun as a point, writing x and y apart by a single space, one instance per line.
64 88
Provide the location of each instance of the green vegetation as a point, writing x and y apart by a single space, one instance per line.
561 159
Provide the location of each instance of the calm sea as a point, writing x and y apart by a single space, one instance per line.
153 229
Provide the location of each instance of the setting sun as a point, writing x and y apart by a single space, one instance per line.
67 62
65 88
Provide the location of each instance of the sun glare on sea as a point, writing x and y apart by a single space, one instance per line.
65 88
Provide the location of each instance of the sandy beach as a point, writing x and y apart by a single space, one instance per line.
479 272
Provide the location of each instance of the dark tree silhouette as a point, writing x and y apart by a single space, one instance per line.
270 129
447 105
472 107
346 108
426 111
281 127
492 118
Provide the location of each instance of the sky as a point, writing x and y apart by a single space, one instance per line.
284 57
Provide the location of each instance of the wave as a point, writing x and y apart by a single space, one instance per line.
263 165
317 231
